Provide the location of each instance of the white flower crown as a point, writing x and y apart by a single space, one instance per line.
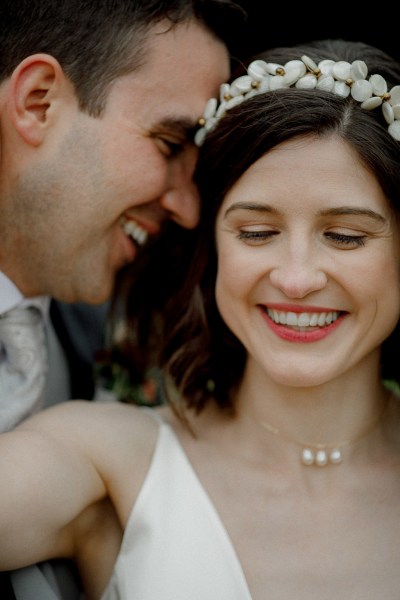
341 78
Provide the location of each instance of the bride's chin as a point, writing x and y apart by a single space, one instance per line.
297 376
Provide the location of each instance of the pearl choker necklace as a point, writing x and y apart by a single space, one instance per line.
321 454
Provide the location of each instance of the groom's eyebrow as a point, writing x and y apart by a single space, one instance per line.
184 127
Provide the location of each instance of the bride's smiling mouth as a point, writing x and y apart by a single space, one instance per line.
303 320
302 325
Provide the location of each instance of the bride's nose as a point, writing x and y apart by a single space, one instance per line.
298 273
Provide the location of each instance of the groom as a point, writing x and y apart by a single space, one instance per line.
97 112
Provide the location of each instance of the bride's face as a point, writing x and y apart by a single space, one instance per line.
308 262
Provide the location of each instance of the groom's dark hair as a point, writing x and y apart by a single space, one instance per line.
96 41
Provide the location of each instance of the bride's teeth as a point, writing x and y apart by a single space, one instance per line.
304 319
136 232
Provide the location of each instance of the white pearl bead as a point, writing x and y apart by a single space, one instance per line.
335 456
307 456
321 458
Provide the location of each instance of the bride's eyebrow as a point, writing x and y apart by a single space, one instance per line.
336 211
252 206
352 210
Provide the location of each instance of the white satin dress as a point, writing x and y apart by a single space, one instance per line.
175 546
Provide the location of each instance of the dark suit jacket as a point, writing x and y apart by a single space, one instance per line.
81 331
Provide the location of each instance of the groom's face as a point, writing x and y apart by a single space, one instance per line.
102 185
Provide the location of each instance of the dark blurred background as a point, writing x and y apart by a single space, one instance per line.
276 23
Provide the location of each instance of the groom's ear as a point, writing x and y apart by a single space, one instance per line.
37 93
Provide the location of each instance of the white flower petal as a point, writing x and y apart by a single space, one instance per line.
379 85
241 85
341 89
294 69
395 95
210 108
308 82
200 136
326 82
234 102
265 85
224 91
252 93
210 124
326 66
372 103
257 69
221 110
388 112
361 90
394 130
309 62
273 67
341 70
359 70
276 83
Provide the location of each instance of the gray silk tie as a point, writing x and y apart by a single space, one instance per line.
23 365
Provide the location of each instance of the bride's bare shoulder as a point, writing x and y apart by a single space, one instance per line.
111 423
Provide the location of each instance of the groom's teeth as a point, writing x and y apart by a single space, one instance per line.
136 232
303 319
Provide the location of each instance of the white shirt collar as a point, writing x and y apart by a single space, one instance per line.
10 296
